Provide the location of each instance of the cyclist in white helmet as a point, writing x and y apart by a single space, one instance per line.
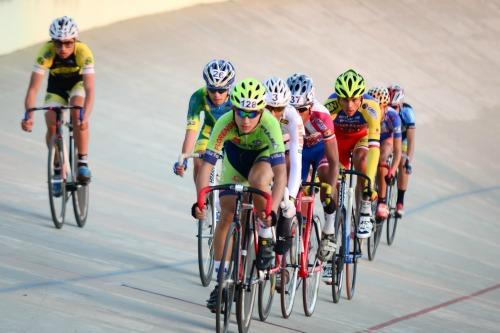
213 100
408 129
71 82
277 102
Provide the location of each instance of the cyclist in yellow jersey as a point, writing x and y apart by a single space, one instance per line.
213 100
71 82
356 119
254 154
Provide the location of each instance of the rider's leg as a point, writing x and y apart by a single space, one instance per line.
402 181
385 150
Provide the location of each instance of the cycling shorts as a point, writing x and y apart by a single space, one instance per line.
61 90
312 156
346 144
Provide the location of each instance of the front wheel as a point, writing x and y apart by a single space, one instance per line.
80 194
267 289
311 282
206 229
352 261
392 220
56 175
338 257
289 271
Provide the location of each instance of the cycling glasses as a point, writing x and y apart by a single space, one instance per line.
59 43
217 90
247 114
304 108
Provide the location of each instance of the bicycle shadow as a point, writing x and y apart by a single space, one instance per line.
22 215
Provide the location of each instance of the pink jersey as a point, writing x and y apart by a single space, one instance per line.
319 127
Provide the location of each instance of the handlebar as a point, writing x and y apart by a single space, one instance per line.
326 186
239 188
357 173
56 109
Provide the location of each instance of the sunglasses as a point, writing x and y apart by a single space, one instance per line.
303 109
275 108
217 90
246 114
59 44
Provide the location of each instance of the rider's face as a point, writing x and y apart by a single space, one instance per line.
217 96
277 112
246 120
350 105
64 48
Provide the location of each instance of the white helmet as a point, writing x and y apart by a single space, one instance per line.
302 89
396 94
219 74
63 28
277 92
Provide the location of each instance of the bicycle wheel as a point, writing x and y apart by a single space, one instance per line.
311 283
247 290
289 272
267 289
227 278
206 229
392 220
57 199
354 254
80 194
338 256
374 239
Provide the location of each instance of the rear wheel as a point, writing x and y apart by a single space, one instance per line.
374 239
352 262
206 229
311 283
80 193
267 289
338 257
58 195
226 280
289 272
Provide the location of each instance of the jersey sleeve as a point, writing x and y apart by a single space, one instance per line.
408 115
44 58
297 132
84 58
223 130
194 110
324 122
396 125
332 105
271 130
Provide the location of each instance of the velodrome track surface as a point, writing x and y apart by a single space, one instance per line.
133 267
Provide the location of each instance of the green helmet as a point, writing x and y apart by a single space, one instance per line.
249 94
349 85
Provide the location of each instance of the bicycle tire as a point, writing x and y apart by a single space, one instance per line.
374 240
267 289
247 290
338 256
227 280
354 253
310 284
80 196
290 271
392 220
205 236
57 203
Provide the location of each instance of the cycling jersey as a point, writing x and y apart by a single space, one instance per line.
293 132
391 125
241 151
198 103
361 130
407 116
66 75
319 128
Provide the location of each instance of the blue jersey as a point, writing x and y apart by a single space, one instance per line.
391 125
407 116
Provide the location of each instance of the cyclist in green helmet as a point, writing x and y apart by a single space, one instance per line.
254 154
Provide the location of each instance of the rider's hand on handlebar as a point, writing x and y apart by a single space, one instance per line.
408 167
180 168
370 194
389 178
196 212
27 125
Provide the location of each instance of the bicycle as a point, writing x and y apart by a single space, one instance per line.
58 155
237 282
206 228
345 257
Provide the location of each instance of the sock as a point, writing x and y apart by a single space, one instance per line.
329 226
401 196
382 200
82 160
265 231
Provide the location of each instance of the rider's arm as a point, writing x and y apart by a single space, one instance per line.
332 155
88 85
372 115
279 183
397 153
193 121
410 136
397 137
34 86
296 130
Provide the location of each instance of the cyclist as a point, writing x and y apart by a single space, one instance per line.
390 143
254 154
277 99
213 100
407 116
71 67
356 118
320 151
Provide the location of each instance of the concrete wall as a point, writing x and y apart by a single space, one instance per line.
26 22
